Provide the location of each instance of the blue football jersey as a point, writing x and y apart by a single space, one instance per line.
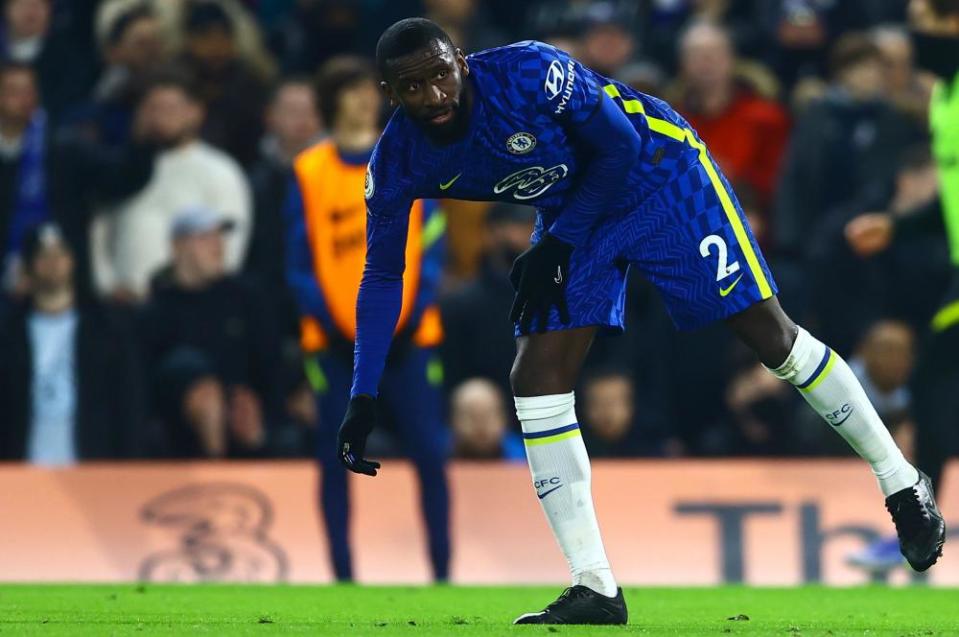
617 174
518 147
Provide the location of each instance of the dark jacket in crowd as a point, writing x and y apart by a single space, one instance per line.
235 100
228 324
79 175
478 338
110 398
265 257
842 153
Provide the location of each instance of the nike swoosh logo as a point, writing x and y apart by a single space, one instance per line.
836 424
546 493
450 182
725 291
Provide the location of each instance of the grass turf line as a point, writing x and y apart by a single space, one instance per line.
455 610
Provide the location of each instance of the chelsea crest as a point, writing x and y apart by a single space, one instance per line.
520 143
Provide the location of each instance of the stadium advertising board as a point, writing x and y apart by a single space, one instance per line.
665 522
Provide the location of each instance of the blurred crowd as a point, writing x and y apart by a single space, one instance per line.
146 148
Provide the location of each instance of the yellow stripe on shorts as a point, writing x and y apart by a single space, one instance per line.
679 134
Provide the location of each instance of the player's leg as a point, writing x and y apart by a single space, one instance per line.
543 377
411 393
825 381
708 267
331 378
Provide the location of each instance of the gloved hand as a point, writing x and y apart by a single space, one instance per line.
539 277
357 424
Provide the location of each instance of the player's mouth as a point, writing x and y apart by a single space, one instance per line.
442 117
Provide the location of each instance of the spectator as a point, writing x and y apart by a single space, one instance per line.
844 150
883 363
663 21
906 281
479 422
231 91
608 44
904 87
798 34
762 417
70 380
608 416
212 345
745 131
292 125
326 252
130 243
315 31
479 335
133 47
467 22
64 69
44 175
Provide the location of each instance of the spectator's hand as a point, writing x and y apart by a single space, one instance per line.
923 17
869 233
301 406
351 440
539 277
203 408
124 296
246 418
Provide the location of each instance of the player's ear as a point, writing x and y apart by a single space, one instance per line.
388 92
461 61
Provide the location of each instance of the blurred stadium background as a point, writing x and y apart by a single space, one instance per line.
166 413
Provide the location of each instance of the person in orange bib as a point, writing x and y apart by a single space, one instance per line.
326 251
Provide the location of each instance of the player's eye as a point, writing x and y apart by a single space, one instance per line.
412 87
442 75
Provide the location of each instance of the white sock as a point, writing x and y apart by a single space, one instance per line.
829 386
561 476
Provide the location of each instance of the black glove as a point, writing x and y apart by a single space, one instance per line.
357 424
539 277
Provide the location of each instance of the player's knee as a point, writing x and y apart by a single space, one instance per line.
528 379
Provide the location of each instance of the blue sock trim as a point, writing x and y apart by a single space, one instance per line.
551 432
815 374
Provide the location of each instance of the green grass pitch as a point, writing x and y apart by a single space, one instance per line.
454 610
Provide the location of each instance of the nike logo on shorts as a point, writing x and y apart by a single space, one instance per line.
724 292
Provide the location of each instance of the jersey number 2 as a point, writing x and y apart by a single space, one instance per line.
724 268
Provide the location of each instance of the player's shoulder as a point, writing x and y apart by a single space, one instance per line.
522 75
525 61
522 50
395 147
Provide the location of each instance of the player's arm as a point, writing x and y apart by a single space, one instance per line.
597 124
377 311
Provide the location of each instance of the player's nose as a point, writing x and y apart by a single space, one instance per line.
435 96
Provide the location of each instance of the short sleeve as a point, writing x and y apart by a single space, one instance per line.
562 86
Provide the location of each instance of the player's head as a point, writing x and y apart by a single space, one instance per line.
423 73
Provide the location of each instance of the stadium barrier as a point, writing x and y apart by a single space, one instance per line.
665 522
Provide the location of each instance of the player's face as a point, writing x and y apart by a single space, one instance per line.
428 85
